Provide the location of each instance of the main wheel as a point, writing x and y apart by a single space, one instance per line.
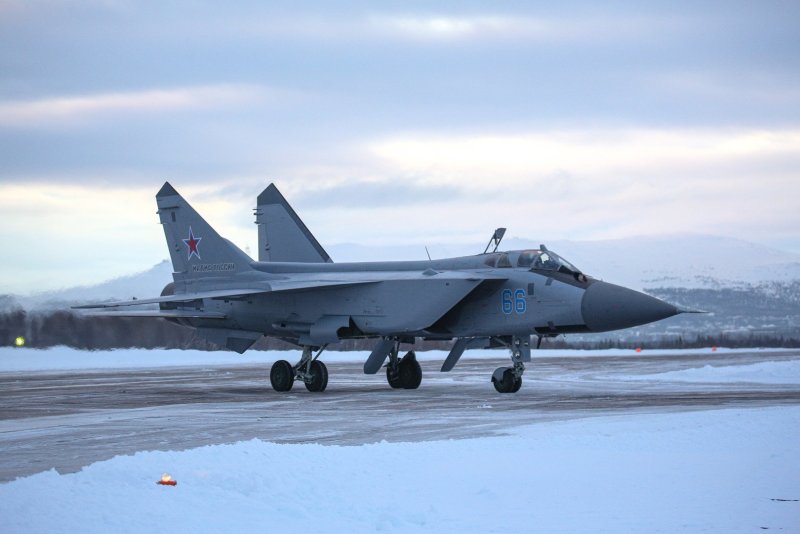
410 372
281 376
393 378
319 377
507 382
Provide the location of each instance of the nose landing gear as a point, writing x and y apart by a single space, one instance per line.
509 379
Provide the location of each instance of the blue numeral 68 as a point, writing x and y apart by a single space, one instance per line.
514 301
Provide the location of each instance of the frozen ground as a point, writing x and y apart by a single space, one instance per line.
65 358
594 441
732 470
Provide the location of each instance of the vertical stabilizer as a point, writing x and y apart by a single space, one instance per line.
196 249
282 236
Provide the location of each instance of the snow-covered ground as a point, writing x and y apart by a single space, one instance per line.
734 470
762 373
545 460
64 358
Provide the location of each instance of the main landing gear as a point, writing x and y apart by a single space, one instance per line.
405 372
309 369
509 379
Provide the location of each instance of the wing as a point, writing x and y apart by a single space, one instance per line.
271 287
400 304
166 314
412 301
120 308
414 304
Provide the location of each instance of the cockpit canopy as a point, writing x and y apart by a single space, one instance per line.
545 260
535 260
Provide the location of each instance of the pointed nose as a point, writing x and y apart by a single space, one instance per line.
610 307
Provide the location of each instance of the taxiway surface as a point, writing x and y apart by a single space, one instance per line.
66 420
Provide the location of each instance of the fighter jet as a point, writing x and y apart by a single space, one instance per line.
296 293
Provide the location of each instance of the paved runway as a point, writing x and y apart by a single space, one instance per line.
66 420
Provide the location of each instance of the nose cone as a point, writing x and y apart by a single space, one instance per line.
610 307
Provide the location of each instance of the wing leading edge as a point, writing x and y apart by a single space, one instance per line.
166 314
273 287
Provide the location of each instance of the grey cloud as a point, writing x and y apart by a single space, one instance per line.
655 65
397 192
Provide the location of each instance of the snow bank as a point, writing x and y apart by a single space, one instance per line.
717 470
763 373
65 358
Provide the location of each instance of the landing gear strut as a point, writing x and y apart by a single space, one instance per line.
509 379
405 372
309 369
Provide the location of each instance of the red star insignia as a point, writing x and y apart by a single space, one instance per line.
192 243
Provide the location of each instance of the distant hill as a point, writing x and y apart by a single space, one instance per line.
699 261
143 284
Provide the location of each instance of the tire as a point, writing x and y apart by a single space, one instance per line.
517 385
410 372
507 383
319 377
393 378
281 376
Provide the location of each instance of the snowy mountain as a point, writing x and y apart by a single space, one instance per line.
687 261
697 261
143 284
683 261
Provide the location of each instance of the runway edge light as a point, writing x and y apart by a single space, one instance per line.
167 480
19 342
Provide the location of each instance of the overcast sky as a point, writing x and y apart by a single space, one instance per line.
391 122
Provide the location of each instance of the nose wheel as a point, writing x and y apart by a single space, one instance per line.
509 379
505 381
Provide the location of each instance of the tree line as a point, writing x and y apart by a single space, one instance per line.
53 328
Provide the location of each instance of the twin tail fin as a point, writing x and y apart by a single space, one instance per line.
195 248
